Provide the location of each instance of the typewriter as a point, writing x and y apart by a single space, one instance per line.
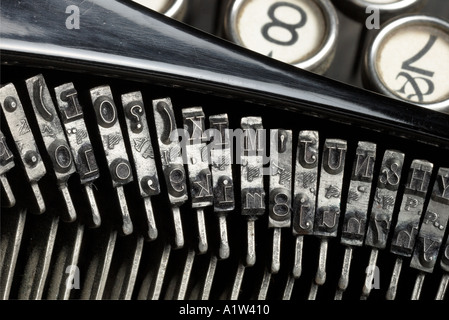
194 150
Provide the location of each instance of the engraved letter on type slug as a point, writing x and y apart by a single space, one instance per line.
252 186
329 193
384 199
24 140
280 178
353 231
306 182
433 225
170 151
72 118
411 209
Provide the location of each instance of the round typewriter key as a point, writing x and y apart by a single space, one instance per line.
409 59
385 9
171 8
299 32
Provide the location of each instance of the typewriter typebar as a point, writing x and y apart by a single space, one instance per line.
144 159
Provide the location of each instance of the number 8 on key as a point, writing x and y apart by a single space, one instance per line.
298 32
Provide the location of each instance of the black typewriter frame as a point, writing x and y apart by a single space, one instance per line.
292 114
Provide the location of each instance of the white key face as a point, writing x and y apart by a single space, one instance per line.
290 31
413 63
156 5
383 1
